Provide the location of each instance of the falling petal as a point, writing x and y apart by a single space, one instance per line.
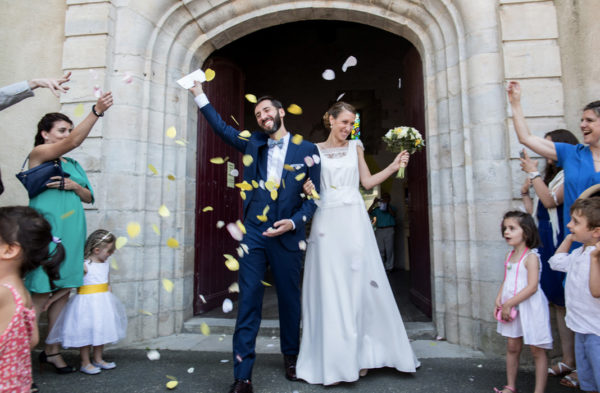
254 184
152 169
181 142
94 74
224 360
167 284
156 229
309 161
297 139
153 354
316 158
251 98
202 298
288 167
302 245
217 160
97 91
350 62
133 229
244 186
121 241
245 134
294 109
266 284
113 264
234 172
172 385
304 218
328 75
374 284
283 183
209 74
238 358
300 176
266 210
207 209
67 214
127 78
172 378
171 132
261 184
78 111
172 243
190 370
340 97
245 248
145 312
227 305
204 329
274 194
235 231
315 194
234 287
243 195
171 177
164 211
241 226
220 224
234 120
270 185
262 218
247 159
240 252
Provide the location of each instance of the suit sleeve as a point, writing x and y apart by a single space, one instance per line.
308 207
222 129
14 93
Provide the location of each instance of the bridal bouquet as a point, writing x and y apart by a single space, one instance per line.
403 138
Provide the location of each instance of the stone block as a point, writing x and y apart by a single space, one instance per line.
486 104
166 323
483 41
132 32
91 18
528 21
124 123
532 59
155 10
122 155
491 180
484 69
85 52
478 15
541 97
489 142
489 215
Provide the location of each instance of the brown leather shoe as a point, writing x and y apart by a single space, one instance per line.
241 386
289 362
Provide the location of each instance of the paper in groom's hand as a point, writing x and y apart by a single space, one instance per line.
187 81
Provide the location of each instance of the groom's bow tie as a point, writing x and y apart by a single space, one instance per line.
272 143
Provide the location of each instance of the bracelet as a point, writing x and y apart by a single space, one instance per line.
96 113
533 175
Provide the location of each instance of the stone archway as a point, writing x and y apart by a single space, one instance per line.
464 106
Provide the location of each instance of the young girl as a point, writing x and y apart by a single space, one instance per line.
521 292
24 239
94 316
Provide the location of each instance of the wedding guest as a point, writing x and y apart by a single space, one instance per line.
385 221
62 206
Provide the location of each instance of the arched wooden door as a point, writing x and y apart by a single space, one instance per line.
215 188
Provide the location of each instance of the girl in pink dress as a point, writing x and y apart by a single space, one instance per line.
24 239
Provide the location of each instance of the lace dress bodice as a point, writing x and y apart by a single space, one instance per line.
339 175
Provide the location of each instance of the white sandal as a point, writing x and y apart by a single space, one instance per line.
563 369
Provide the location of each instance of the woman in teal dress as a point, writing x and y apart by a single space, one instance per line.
61 205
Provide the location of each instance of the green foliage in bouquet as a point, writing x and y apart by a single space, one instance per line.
403 138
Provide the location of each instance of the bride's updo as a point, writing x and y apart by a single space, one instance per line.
335 111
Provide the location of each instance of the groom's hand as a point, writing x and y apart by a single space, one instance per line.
279 228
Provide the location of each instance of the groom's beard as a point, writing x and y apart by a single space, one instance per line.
276 125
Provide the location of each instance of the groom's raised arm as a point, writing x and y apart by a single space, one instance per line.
226 132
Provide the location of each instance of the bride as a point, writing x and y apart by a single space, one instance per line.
350 321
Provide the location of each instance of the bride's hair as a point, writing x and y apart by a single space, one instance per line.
335 111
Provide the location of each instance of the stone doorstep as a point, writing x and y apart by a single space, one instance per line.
270 327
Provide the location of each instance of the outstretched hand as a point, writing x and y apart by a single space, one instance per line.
55 85
196 89
514 92
104 102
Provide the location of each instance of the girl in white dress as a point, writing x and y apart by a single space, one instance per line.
521 306
94 316
350 320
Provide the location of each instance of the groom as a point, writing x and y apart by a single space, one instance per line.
278 238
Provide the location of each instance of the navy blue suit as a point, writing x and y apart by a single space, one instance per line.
282 253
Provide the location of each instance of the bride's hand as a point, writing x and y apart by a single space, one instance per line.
401 161
308 186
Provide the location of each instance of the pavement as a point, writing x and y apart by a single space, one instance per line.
202 364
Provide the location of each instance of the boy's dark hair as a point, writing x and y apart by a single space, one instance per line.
46 124
276 103
530 231
588 208
28 228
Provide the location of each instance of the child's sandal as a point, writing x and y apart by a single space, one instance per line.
571 380
513 390
563 369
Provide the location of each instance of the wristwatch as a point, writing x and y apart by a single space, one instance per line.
96 113
533 175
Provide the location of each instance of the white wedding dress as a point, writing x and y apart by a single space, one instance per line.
350 320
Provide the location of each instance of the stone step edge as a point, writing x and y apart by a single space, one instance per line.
270 327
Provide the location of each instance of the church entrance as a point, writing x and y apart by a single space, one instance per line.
386 86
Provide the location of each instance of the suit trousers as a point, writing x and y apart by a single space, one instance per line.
385 242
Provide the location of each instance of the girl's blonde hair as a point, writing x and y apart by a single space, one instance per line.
96 239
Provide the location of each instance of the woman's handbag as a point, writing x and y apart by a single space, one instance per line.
36 179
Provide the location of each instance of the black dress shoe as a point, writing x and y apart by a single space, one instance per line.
241 386
289 362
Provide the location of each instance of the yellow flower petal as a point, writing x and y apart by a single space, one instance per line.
172 378
235 121
266 210
172 385
204 329
245 186
234 287
113 264
243 195
283 183
300 176
245 134
247 160
274 194
133 229
251 98
167 284
266 284
181 142
297 139
262 218
209 74
171 177
288 167
270 185
156 229
121 241
207 209
241 226
294 109
164 211
254 184
315 194
172 243
78 111
217 160
232 264
152 169
171 132
67 214
145 312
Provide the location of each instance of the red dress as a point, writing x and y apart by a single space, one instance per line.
15 352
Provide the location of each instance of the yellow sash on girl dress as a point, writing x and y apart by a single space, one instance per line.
89 289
